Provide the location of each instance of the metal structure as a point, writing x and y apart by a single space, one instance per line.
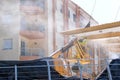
46 71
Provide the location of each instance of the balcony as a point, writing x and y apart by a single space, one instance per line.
33 32
34 10
31 53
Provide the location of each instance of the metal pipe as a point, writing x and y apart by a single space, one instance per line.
49 73
16 72
109 72
80 69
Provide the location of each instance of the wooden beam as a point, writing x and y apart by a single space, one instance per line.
115 40
92 28
104 35
117 50
113 46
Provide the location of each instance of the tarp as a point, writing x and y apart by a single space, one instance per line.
26 70
114 69
30 70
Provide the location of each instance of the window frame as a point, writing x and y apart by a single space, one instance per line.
74 17
68 13
5 41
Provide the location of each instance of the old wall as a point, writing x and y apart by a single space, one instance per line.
9 29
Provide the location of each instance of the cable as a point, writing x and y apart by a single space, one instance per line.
93 8
88 24
117 13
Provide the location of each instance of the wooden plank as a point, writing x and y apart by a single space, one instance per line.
103 35
116 50
112 44
115 46
115 40
92 28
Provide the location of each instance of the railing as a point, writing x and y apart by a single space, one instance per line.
44 69
32 52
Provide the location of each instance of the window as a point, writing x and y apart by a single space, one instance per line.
61 9
42 52
82 21
69 13
74 17
23 46
7 44
42 28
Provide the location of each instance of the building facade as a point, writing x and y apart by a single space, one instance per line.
30 29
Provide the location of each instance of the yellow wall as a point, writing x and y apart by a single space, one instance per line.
36 44
35 18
